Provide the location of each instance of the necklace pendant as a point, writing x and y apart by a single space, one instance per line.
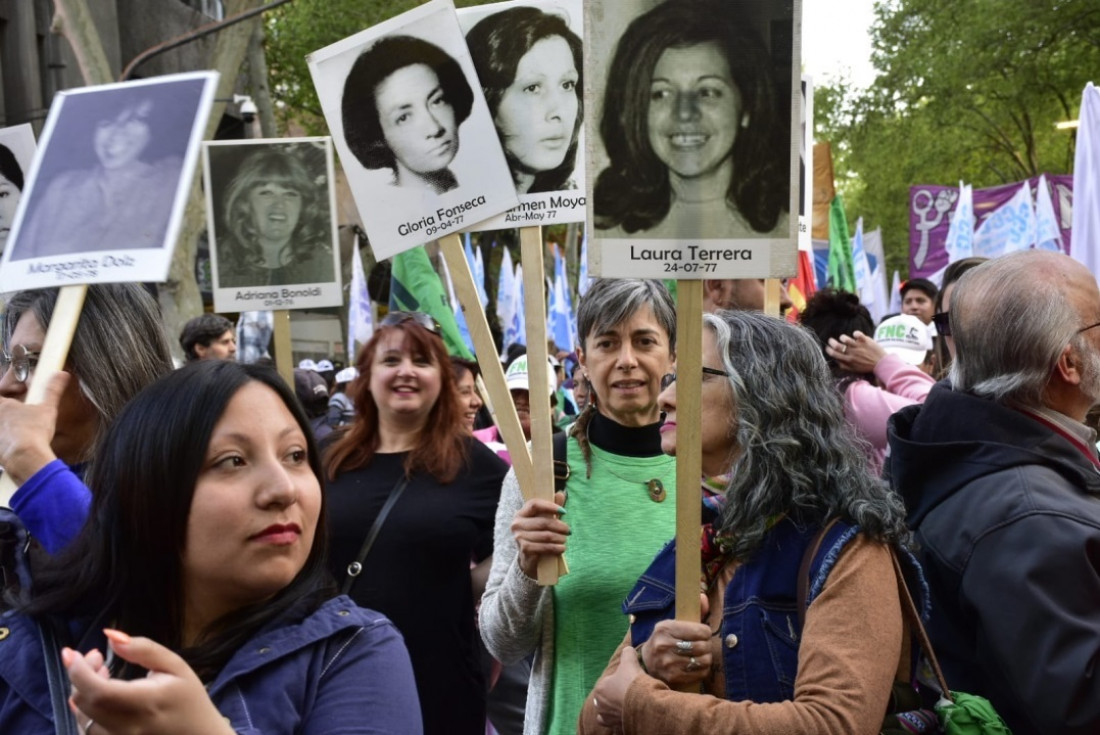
656 490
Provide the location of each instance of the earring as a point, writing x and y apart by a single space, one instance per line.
745 120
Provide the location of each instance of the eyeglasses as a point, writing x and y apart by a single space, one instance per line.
943 323
21 360
670 378
1085 329
417 317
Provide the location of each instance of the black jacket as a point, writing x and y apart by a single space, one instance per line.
1006 512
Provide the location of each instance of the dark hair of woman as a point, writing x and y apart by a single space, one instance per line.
285 169
362 125
497 44
441 450
633 192
10 168
126 565
462 366
829 313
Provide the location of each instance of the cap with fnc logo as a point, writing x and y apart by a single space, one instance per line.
905 336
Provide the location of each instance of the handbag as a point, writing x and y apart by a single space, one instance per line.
956 713
356 567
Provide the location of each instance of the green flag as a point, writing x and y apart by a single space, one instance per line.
841 271
415 286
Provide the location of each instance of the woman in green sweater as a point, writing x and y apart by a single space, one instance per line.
621 507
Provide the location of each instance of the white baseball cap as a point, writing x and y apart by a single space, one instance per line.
347 375
516 377
307 364
905 336
323 365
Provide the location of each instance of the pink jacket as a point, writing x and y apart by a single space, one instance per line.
868 406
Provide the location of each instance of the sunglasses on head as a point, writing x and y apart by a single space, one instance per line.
395 318
943 325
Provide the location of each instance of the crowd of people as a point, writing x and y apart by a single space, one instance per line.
208 549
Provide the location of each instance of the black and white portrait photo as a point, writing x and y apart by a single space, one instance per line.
112 177
17 148
271 223
412 128
695 142
530 60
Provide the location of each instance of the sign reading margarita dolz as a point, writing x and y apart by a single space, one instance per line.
105 196
412 128
271 222
529 57
693 137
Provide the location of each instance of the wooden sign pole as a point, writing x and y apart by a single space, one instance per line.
55 351
689 458
538 378
284 356
772 288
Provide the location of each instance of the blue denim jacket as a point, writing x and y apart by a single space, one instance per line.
341 669
761 628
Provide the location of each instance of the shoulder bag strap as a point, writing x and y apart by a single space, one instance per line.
909 610
64 721
356 567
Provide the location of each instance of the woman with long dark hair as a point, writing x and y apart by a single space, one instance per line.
409 459
200 573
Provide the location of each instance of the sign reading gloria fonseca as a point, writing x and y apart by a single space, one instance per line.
271 208
412 128
105 197
693 138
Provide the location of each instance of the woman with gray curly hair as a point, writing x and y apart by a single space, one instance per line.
789 466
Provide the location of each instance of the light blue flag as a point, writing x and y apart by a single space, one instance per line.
1048 236
583 281
561 315
960 233
861 267
519 317
506 301
360 314
1011 227
479 278
456 307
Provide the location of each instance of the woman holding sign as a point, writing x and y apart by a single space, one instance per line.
530 62
404 100
780 463
411 501
690 124
617 506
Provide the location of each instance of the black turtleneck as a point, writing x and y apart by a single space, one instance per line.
626 441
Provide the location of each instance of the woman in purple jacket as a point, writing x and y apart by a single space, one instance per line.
200 574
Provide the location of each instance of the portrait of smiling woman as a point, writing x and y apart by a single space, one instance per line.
403 103
275 225
695 130
530 64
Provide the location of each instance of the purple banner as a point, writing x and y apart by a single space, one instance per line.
931 208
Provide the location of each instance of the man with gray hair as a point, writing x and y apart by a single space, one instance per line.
1002 483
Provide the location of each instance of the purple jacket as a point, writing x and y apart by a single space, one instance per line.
342 669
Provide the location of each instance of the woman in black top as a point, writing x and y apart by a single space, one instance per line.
408 436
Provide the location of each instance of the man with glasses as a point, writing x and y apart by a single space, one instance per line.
1001 479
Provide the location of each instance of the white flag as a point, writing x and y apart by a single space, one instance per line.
1085 241
960 235
895 295
360 314
861 268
